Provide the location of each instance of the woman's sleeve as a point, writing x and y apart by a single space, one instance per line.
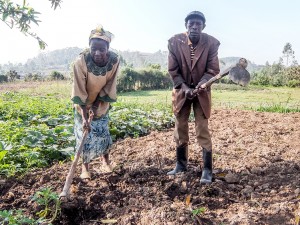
79 92
109 91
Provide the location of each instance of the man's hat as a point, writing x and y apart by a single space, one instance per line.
195 14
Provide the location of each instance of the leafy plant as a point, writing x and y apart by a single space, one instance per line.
45 198
3 152
22 16
50 202
37 130
15 217
199 211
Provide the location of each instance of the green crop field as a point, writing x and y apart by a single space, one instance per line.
36 119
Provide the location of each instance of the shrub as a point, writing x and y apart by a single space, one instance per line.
262 79
12 75
128 79
55 75
293 72
144 79
33 77
3 79
293 83
278 81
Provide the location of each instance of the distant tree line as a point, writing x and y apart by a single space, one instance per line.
61 60
284 73
149 78
277 75
12 75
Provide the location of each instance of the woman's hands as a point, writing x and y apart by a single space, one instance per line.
95 106
94 110
87 117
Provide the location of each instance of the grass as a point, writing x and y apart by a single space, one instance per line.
270 99
158 99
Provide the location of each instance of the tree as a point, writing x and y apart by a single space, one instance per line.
12 75
3 79
294 63
288 53
55 75
21 16
33 77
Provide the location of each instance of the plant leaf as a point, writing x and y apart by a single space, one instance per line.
2 154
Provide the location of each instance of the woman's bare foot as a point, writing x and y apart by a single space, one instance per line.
85 174
106 163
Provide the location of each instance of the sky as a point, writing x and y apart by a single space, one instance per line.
254 29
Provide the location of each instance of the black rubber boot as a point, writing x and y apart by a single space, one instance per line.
206 177
181 163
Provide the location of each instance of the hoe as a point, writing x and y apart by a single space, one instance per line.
238 74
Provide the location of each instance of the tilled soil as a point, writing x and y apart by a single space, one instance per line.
256 178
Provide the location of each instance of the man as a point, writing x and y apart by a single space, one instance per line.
193 60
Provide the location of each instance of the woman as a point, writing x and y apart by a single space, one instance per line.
95 78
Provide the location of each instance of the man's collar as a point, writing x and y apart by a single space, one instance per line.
189 41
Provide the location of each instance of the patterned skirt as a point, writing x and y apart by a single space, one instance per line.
98 140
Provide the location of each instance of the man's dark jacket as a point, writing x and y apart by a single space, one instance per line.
205 66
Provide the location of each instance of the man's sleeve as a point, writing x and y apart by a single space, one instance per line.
212 65
173 67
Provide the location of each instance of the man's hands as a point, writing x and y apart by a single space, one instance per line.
188 91
200 84
199 88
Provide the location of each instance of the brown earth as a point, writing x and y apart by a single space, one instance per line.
256 178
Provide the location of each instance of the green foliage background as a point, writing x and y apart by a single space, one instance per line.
36 128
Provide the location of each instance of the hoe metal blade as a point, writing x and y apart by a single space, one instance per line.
238 74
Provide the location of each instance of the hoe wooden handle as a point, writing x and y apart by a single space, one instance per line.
69 178
212 80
